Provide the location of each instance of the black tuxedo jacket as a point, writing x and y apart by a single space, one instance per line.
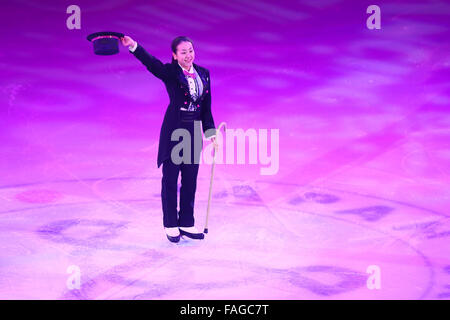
178 89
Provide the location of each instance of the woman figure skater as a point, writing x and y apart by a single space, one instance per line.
189 89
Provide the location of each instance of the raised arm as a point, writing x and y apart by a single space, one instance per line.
154 65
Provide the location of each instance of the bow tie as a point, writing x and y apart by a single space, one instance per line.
192 75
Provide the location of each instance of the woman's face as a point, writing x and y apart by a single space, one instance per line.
185 54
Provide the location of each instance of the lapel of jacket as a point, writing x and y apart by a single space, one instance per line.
182 78
180 75
204 79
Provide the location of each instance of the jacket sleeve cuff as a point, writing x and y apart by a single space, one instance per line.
133 48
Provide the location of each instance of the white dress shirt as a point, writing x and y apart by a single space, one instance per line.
193 87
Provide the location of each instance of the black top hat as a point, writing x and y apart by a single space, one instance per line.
105 43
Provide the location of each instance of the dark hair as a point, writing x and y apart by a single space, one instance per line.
177 41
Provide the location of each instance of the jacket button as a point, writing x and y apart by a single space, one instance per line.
185 102
207 91
198 105
185 94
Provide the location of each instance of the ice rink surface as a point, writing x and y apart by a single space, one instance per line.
361 188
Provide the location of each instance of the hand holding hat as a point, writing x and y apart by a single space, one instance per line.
127 41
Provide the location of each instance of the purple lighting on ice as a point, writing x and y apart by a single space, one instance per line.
363 152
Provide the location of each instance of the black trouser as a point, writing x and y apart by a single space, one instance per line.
169 187
187 193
